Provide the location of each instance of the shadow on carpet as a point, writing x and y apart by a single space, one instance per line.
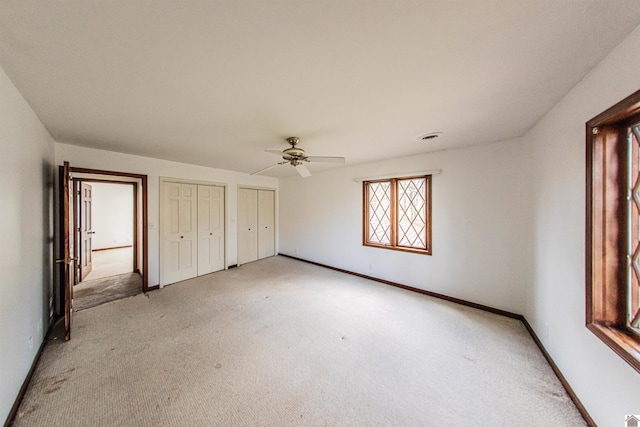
92 293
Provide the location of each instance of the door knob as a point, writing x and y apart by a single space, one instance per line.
182 237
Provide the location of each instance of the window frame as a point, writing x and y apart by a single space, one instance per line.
607 228
393 215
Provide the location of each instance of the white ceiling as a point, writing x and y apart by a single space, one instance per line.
215 83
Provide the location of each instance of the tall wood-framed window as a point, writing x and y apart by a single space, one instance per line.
613 228
397 214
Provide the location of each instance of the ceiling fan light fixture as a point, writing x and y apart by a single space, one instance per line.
294 152
297 158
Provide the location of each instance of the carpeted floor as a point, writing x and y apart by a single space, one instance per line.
279 342
110 262
92 293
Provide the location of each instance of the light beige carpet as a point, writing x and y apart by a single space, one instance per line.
279 342
109 262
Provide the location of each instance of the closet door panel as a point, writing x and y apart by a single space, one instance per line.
247 225
188 234
210 229
170 233
178 234
266 223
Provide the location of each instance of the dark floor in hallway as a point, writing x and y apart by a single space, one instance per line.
92 293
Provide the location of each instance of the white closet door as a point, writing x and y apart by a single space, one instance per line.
179 237
266 224
210 229
247 225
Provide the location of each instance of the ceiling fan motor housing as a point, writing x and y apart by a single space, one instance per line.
294 152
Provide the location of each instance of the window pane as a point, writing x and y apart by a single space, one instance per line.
380 212
633 270
412 213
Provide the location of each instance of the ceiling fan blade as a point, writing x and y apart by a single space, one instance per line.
303 171
326 159
267 168
276 152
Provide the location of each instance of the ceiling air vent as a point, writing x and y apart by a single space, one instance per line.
429 136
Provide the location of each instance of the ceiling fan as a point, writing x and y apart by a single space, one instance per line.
295 157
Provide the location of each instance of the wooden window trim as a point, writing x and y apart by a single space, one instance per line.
393 214
606 228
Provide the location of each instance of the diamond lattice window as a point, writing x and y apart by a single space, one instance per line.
613 228
380 213
633 269
397 214
412 219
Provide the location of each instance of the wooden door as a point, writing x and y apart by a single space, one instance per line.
266 224
68 250
86 230
210 229
179 232
247 225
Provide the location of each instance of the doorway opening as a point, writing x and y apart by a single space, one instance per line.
106 241
78 238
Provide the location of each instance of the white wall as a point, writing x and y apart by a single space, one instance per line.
509 221
481 224
508 229
604 382
156 168
26 225
112 212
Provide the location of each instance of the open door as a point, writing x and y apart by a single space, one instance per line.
86 230
68 261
